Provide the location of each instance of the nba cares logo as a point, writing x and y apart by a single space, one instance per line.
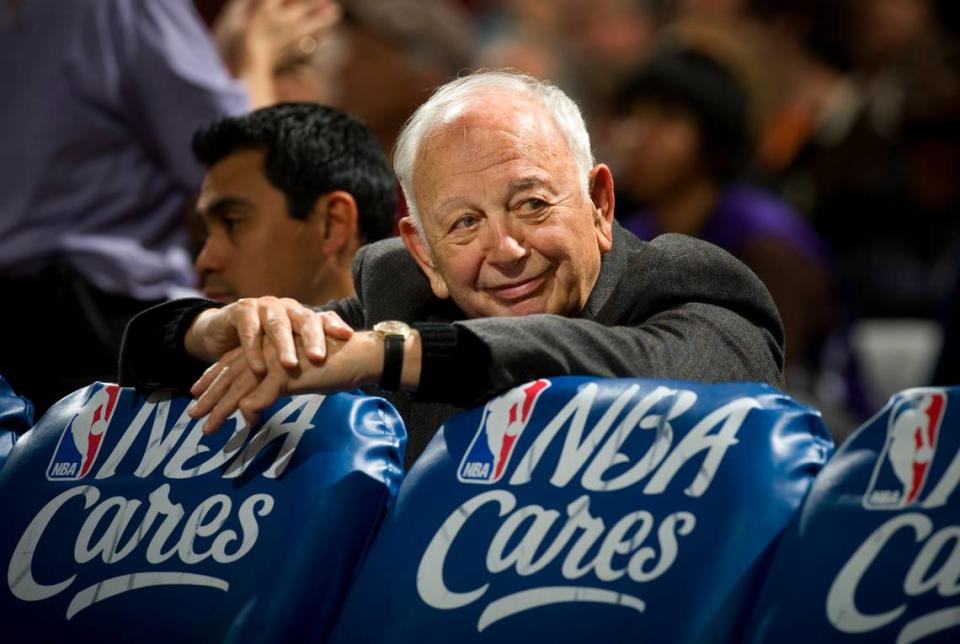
912 431
81 440
503 420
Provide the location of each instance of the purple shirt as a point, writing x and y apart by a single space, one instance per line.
742 216
98 102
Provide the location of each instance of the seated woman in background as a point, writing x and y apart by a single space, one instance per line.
685 144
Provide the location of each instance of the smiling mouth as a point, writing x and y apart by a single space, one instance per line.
518 290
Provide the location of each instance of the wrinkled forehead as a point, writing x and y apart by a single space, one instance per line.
483 148
496 112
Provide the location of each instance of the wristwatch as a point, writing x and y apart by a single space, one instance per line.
393 333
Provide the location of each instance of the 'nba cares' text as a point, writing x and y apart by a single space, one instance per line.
155 530
587 452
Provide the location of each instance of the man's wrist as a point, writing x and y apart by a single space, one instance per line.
193 342
412 360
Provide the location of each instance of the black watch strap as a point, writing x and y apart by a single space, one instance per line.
392 362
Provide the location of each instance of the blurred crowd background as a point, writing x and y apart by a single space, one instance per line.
818 140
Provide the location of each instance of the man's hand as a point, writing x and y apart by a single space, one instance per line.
231 384
279 34
246 322
278 31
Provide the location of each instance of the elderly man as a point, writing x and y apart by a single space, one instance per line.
513 268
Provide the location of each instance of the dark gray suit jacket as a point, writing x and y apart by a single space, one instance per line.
675 308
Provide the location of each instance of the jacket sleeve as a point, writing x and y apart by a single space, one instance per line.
152 354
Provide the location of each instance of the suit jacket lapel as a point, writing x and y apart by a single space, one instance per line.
612 271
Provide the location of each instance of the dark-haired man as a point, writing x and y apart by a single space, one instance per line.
292 192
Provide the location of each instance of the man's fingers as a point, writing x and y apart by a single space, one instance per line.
308 324
218 388
202 383
319 19
275 321
273 5
313 329
247 321
229 402
267 391
300 11
254 6
335 327
253 321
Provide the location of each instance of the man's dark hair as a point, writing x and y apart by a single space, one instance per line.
696 82
310 150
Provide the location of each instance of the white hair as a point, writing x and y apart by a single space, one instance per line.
428 116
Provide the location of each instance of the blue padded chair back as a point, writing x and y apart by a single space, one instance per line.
124 522
16 417
587 510
874 554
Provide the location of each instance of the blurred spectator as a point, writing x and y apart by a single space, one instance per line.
865 143
376 59
293 190
530 53
100 98
396 53
606 38
299 39
686 144
804 49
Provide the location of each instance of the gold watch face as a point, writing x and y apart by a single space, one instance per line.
392 327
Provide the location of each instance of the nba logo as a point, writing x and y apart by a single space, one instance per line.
902 469
503 419
80 442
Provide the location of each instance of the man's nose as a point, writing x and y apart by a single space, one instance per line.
505 241
212 257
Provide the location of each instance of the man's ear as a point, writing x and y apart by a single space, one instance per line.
336 216
417 247
603 201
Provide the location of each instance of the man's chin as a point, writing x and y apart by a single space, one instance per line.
528 306
532 306
538 305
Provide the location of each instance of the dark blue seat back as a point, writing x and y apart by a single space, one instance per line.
16 417
874 554
122 521
590 510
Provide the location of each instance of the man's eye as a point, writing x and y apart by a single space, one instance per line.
533 205
465 222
